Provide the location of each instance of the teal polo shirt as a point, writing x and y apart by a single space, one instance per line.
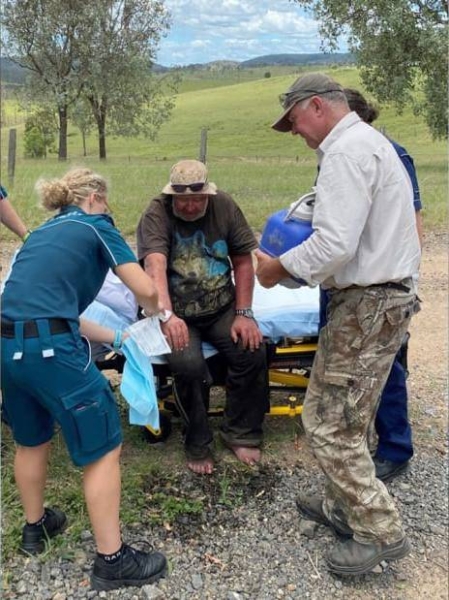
61 267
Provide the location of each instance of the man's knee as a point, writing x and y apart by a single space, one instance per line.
187 364
243 359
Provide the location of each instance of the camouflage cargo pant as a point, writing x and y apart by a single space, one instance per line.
355 352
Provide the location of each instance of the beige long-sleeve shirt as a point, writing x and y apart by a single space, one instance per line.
364 219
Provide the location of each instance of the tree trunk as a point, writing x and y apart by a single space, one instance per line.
62 113
101 138
102 128
99 110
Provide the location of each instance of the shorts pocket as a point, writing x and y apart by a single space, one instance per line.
94 415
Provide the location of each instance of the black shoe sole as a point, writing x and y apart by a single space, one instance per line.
40 546
101 584
311 515
395 553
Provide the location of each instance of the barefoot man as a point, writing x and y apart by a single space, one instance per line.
190 238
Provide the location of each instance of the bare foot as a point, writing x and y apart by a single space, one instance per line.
204 466
247 455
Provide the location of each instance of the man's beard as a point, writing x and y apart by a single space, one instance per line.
190 218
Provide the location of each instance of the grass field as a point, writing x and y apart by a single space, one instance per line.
262 169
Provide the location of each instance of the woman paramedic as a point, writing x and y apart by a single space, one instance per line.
47 375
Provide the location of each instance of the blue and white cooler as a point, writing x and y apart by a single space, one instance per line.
288 228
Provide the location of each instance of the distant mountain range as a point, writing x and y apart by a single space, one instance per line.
11 73
270 60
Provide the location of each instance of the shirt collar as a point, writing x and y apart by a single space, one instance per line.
345 123
72 208
72 211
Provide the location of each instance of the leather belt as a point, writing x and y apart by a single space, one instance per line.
30 328
393 285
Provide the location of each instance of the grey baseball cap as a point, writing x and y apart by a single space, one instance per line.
306 86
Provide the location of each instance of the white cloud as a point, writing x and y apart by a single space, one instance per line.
235 30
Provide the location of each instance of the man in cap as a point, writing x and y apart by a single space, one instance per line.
364 251
195 242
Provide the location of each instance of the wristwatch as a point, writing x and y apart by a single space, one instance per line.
244 312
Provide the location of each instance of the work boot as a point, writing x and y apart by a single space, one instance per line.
133 568
352 558
311 508
387 469
35 538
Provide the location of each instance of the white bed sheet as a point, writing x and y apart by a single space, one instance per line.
280 312
283 312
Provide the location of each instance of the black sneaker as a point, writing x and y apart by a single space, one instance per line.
35 538
133 568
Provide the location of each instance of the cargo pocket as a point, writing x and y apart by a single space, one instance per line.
351 397
94 414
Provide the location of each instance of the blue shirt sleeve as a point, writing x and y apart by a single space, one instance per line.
408 163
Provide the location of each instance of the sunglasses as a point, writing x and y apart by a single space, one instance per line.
287 98
180 188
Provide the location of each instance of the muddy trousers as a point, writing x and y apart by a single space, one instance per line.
246 385
355 352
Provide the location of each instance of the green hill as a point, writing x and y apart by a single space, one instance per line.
263 169
299 59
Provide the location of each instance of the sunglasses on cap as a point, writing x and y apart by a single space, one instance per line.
288 97
180 188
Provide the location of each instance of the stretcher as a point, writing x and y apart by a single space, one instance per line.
288 319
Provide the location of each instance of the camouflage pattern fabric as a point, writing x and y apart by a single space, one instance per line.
355 352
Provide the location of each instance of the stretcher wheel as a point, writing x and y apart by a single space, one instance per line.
155 436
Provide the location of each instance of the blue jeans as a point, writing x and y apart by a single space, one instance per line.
247 398
392 424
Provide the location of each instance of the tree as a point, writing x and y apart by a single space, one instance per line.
119 84
401 48
101 51
82 117
45 40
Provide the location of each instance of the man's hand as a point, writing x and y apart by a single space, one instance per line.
176 332
269 270
248 331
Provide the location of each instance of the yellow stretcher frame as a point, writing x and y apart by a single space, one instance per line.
289 370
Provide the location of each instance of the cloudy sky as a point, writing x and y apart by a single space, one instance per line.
207 30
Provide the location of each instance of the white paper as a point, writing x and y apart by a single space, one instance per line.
148 336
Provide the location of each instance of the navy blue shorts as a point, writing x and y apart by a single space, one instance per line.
66 388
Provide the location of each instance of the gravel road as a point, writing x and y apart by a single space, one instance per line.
249 543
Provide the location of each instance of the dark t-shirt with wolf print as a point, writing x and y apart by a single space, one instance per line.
199 270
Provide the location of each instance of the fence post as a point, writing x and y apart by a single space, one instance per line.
11 156
203 146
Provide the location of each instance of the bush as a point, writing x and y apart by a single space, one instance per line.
34 143
39 137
